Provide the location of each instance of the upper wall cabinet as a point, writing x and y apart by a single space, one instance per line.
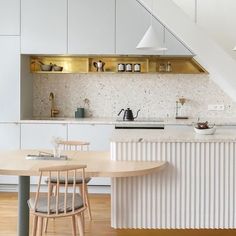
174 46
91 27
132 21
43 26
10 78
10 17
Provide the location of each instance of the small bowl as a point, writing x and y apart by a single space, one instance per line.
46 67
57 68
208 131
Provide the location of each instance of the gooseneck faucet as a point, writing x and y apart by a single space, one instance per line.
54 111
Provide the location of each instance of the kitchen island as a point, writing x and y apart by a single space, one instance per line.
197 190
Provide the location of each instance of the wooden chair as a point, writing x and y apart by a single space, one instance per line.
77 146
64 203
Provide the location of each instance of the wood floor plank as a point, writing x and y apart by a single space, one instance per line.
100 226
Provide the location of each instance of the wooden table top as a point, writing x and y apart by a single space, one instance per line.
98 164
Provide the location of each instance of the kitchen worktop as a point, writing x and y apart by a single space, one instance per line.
172 134
113 121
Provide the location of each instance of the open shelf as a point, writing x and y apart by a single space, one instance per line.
149 64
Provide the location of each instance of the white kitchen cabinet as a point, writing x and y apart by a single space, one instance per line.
132 21
97 135
10 140
99 138
10 17
43 26
9 136
174 46
91 27
10 78
40 135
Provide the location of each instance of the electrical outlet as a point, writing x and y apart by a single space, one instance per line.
216 107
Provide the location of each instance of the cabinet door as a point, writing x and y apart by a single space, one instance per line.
44 26
132 21
91 27
10 140
174 46
9 17
10 78
99 138
41 135
97 135
9 136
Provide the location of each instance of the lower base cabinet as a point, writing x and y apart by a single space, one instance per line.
99 138
10 139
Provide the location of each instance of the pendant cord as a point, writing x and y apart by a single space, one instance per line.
152 7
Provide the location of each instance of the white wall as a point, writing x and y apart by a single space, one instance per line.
217 18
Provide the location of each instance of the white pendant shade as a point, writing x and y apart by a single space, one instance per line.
234 49
150 41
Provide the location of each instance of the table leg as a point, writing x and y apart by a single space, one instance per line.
23 209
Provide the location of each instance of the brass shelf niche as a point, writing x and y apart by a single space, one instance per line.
149 64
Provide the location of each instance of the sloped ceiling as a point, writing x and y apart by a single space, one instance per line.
220 65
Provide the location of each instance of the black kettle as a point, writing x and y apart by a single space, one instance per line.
128 114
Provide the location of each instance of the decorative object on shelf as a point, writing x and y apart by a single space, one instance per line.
128 114
165 67
162 67
204 128
168 67
137 67
121 67
57 68
43 67
180 108
128 67
79 113
99 65
150 39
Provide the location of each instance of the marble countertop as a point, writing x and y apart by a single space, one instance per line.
172 134
113 121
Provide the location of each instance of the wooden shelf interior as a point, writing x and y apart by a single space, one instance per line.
149 64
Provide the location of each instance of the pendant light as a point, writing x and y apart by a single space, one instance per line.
234 48
150 40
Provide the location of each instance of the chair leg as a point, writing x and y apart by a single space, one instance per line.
80 225
45 225
40 226
73 225
86 199
88 202
35 223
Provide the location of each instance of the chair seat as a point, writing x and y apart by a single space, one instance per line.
43 203
70 180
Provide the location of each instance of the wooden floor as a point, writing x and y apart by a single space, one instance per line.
100 226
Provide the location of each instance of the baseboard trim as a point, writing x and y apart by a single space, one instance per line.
106 189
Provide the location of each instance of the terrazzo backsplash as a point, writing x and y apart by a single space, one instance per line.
154 94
